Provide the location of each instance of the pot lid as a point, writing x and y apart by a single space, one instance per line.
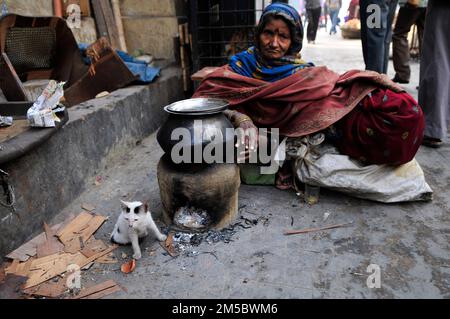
197 106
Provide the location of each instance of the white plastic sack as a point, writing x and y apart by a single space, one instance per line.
382 183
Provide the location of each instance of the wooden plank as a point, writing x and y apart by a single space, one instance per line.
93 226
18 268
110 23
186 33
73 245
87 207
100 19
311 230
83 226
120 29
89 292
104 293
51 246
27 250
2 273
46 268
48 289
181 34
74 228
93 246
107 259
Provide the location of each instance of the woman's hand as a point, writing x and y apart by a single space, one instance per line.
247 134
247 140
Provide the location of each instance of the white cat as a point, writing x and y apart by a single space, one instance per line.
135 222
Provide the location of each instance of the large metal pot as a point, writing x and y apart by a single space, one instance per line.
202 119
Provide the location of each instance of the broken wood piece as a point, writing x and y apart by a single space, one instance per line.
48 289
2 274
73 245
51 245
84 226
27 250
311 230
107 259
93 246
87 207
46 268
168 246
99 291
74 226
19 269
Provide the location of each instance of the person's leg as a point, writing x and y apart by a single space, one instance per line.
391 6
364 41
400 45
316 17
309 29
334 17
434 88
420 23
373 33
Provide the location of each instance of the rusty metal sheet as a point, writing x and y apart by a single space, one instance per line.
106 62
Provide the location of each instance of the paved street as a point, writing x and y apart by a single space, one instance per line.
409 241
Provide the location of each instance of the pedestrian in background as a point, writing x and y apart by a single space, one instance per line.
333 8
353 10
376 32
313 9
411 12
434 87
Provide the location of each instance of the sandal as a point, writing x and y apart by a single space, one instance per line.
432 142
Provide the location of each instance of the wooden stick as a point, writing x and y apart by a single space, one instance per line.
118 18
181 33
311 230
186 33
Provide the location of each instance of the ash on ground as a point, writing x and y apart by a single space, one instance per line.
186 244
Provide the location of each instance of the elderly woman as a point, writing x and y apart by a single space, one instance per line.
269 86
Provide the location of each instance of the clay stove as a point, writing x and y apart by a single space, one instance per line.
190 191
211 188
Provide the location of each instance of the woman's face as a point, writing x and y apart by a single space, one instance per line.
275 39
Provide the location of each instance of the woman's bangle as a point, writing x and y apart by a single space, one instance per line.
242 120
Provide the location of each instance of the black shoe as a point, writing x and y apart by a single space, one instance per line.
398 80
432 142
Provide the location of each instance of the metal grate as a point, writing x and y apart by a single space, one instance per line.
223 28
30 48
